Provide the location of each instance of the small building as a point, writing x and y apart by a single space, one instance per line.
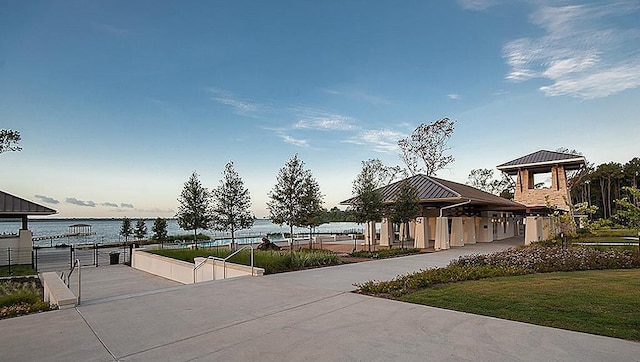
18 245
451 214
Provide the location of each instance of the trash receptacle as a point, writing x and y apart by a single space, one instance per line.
114 258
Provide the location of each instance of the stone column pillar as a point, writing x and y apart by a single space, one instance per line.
457 237
469 230
442 233
422 233
387 235
531 231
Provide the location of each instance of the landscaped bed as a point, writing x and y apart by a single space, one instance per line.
20 296
549 303
271 261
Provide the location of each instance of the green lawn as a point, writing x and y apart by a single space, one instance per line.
605 302
17 270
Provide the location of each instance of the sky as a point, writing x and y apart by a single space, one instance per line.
118 102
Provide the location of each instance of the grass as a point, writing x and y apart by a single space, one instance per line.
17 270
604 302
615 232
271 261
20 296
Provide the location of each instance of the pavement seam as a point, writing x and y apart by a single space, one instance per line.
239 323
96 334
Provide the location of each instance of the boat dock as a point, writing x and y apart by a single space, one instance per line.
74 230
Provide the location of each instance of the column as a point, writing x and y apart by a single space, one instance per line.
422 233
469 230
387 235
532 227
456 238
442 233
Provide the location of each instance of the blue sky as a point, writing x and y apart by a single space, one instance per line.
119 101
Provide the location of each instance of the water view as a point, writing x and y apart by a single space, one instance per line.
107 231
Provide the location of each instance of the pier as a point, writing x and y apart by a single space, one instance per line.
74 230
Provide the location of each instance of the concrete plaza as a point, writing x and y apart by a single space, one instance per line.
129 315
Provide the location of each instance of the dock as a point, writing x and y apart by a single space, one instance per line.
74 230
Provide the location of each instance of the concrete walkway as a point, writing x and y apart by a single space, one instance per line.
298 316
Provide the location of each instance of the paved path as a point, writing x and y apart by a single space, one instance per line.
299 316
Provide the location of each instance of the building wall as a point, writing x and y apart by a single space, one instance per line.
558 193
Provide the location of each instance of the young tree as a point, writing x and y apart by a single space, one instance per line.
312 206
9 140
231 204
140 230
194 211
159 230
406 207
288 198
125 229
482 179
428 143
368 204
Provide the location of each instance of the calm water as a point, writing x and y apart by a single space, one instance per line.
108 230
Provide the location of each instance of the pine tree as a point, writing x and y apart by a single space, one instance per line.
159 229
140 230
125 229
194 211
231 204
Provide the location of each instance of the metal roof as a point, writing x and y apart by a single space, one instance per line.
544 158
432 190
11 205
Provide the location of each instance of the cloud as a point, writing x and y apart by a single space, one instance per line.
385 141
316 119
74 201
359 95
156 211
109 204
129 206
294 141
453 96
583 52
47 199
240 106
477 5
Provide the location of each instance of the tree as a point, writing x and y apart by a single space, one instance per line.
125 229
194 211
368 204
428 143
482 179
312 206
159 230
629 211
406 207
140 230
231 204
288 197
384 175
9 140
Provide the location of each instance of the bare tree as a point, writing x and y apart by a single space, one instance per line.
428 143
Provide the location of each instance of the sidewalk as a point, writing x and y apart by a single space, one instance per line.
298 316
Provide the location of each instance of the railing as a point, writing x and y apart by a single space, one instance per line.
224 263
66 278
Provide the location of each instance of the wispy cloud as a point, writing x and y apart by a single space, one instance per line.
583 52
312 118
129 206
74 201
240 106
294 141
384 140
108 28
156 211
109 204
47 199
477 5
453 96
359 95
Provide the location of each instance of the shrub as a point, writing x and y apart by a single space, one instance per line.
21 296
514 261
384 253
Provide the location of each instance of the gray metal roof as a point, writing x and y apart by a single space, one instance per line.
11 205
544 158
432 190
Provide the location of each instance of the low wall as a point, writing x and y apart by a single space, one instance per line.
56 292
183 272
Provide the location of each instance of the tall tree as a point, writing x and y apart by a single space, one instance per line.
482 179
159 230
140 230
428 143
312 206
405 208
231 204
194 211
368 206
384 175
287 204
9 140
125 229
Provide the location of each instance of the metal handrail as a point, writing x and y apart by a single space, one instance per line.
224 262
68 277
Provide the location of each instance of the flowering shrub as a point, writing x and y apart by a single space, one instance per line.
514 261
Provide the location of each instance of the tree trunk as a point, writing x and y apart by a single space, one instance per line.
609 194
195 237
233 239
603 197
291 242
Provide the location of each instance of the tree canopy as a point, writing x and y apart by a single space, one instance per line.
159 229
125 229
9 140
140 230
194 210
231 204
428 143
406 207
